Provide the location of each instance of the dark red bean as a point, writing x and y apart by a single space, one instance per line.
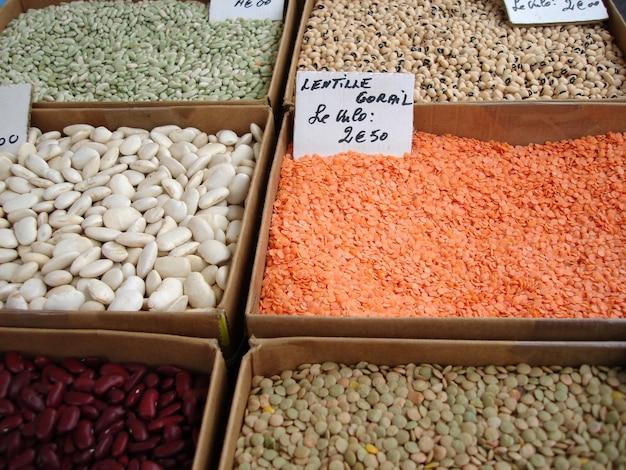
10 422
151 380
14 362
83 435
73 397
83 384
159 423
93 362
6 407
47 457
103 446
144 446
137 429
106 382
169 449
190 407
123 460
115 396
100 405
41 361
168 370
89 412
68 419
170 410
42 388
172 432
84 457
184 382
18 382
166 384
167 399
88 374
147 407
134 464
116 427
150 465
28 429
68 445
22 460
134 396
108 464
46 422
116 369
73 365
5 380
55 395
135 378
12 444
108 417
27 413
172 464
54 373
119 444
32 399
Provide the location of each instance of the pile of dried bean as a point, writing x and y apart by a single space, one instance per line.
463 50
89 413
414 416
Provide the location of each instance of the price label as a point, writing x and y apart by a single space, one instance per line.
555 11
15 101
220 10
370 113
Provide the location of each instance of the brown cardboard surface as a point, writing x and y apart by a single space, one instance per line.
194 354
271 356
230 311
13 8
616 25
516 123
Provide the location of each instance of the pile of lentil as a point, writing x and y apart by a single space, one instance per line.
412 416
458 228
152 50
463 50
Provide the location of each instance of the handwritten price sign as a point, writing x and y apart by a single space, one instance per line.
220 10
371 113
15 101
555 11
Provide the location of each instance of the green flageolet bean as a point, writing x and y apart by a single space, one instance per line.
121 42
334 415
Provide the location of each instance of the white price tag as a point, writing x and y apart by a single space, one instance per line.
220 10
370 113
555 11
15 102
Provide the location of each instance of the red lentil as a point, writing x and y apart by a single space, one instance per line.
459 228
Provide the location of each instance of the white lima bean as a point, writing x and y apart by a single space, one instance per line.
120 239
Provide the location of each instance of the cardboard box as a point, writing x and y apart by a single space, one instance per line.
271 356
224 322
616 25
516 123
13 8
198 355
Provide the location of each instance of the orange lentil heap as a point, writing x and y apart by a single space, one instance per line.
459 228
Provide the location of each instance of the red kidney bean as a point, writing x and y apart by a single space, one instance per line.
10 422
150 465
147 407
116 427
115 396
42 388
159 423
41 361
83 434
28 429
47 457
73 365
169 449
54 373
143 446
112 368
106 382
134 396
14 362
24 459
18 382
151 380
135 378
108 417
170 410
99 405
83 384
123 460
46 422
184 382
55 395
6 407
166 384
88 374
166 399
84 457
93 362
68 419
119 444
103 446
32 399
168 370
134 464
27 413
72 397
5 381
190 407
137 429
172 432
108 464
12 444
67 463
89 412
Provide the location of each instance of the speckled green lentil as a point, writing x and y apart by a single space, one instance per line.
150 50
464 50
479 418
